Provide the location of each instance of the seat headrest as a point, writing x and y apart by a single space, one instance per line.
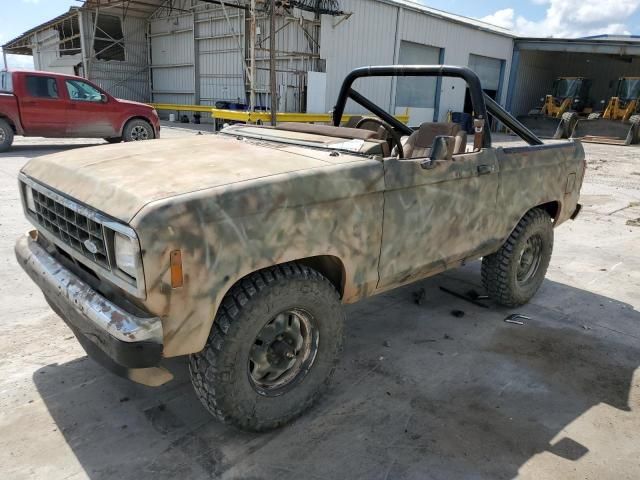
428 131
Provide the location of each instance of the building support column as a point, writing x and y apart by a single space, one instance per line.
252 55
272 63
83 43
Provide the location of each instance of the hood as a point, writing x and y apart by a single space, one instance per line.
120 179
131 102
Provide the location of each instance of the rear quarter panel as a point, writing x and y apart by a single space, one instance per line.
9 110
228 232
535 175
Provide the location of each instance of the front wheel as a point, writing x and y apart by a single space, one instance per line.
6 136
513 274
272 350
136 130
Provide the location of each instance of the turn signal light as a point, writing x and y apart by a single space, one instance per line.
175 259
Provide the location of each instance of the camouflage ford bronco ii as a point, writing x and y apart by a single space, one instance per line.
238 249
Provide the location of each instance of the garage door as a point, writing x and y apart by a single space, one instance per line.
488 69
417 93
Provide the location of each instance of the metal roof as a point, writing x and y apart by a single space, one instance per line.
612 45
21 44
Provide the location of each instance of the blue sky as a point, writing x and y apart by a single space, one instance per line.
541 18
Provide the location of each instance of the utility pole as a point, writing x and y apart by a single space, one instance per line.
252 54
272 64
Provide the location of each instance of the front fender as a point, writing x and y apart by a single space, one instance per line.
229 232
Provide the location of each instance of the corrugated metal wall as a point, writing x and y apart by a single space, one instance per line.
296 54
46 54
195 57
220 47
365 38
369 37
127 79
172 59
538 70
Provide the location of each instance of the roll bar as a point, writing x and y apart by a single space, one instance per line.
480 101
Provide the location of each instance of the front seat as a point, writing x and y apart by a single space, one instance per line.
418 144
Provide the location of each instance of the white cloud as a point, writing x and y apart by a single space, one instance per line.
501 18
570 18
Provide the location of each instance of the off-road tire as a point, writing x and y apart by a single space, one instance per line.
567 125
634 132
220 372
113 140
500 270
593 116
136 130
6 135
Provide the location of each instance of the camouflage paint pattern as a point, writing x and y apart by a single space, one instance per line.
463 209
234 205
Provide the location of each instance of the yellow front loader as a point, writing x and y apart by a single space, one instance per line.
619 123
559 112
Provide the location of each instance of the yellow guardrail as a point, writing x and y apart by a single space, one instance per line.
182 108
260 116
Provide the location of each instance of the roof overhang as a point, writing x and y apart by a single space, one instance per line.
22 45
621 47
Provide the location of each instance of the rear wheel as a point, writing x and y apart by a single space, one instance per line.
567 125
136 130
272 350
6 135
634 131
513 274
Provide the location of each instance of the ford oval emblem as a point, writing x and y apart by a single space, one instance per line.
91 246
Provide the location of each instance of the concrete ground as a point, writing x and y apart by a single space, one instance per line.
420 393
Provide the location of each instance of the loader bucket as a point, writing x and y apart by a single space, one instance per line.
603 130
543 126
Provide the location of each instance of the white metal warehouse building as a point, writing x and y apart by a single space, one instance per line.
197 52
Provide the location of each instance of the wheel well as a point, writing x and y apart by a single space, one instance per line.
552 208
137 117
8 120
329 266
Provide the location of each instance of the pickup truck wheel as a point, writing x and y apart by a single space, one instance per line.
272 350
514 273
136 130
6 136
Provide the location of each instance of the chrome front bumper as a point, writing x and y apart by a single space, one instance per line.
113 336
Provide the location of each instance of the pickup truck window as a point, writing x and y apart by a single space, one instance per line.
44 87
82 91
5 82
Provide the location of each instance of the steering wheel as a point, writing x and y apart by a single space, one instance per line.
395 138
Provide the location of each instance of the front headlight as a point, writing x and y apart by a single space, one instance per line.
125 253
28 198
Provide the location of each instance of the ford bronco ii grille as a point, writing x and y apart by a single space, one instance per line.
76 230
83 233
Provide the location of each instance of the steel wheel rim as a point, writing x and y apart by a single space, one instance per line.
530 259
283 352
139 133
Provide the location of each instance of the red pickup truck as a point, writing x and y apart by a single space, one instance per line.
45 104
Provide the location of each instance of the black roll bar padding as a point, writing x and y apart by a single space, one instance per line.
473 83
511 122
